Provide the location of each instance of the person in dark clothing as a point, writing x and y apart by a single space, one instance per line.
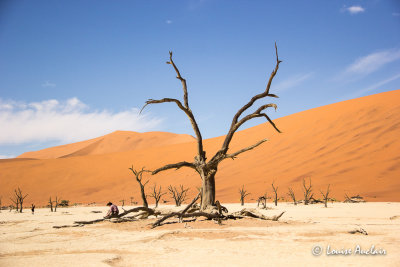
33 208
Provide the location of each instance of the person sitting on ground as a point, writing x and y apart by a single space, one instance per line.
113 211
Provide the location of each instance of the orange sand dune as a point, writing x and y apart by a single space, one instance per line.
352 145
117 141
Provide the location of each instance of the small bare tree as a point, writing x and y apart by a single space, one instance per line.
0 204
123 203
292 196
56 203
243 193
326 196
16 203
131 201
51 202
276 194
156 193
139 177
19 197
178 194
307 192
207 166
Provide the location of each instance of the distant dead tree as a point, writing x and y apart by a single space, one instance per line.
243 193
19 199
51 202
307 192
275 189
326 196
262 200
139 177
0 204
292 196
156 193
56 203
14 200
178 194
205 166
123 203
131 201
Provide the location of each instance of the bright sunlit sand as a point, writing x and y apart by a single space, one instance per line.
31 240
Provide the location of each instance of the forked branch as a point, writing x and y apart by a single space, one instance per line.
235 121
185 107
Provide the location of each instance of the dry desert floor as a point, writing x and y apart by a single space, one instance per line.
31 240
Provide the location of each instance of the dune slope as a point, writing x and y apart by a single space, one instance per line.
117 141
352 145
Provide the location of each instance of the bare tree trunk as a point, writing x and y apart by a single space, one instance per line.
143 194
208 191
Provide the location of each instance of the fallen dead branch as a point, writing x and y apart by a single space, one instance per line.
360 231
353 199
191 211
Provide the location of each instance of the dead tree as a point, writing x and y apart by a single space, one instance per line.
139 177
51 204
14 200
243 193
56 203
292 196
0 204
156 194
131 201
179 195
326 196
307 192
123 203
19 199
276 194
205 166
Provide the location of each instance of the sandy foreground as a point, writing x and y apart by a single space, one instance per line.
31 240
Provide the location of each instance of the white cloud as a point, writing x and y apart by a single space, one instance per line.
396 14
375 86
6 157
64 121
292 82
48 84
168 21
373 62
353 9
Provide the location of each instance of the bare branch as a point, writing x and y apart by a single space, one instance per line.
174 166
164 100
234 155
185 108
179 77
266 93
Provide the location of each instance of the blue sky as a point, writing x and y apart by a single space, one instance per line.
74 70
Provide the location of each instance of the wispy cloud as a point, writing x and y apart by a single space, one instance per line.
396 14
375 86
372 62
6 156
353 9
168 21
292 81
64 121
48 84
